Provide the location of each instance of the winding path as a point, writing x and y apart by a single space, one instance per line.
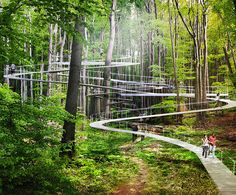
221 175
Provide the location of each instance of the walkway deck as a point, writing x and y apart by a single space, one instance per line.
221 175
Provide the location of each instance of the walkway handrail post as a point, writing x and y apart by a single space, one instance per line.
233 170
234 167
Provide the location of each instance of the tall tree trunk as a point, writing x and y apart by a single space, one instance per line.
50 57
198 67
174 55
195 33
83 102
55 43
142 74
62 46
205 56
231 72
232 49
107 71
72 92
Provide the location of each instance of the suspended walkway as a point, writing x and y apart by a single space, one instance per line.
222 176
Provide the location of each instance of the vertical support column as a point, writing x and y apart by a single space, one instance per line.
31 88
24 86
84 102
21 86
6 72
41 78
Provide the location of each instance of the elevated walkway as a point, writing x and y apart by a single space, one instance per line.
221 175
167 94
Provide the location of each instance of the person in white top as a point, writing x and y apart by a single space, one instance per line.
217 99
12 69
205 146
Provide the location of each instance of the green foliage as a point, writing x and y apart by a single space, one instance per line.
29 151
183 129
24 26
157 72
173 170
29 137
99 165
189 121
168 105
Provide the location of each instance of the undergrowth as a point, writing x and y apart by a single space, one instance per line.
190 134
30 145
173 170
30 163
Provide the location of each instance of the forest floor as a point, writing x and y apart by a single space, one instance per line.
163 169
135 185
223 125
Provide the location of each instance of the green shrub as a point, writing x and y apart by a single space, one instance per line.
168 105
29 140
189 121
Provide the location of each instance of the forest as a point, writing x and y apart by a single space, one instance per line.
117 97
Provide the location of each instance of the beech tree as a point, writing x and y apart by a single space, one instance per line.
197 32
174 53
73 89
73 82
107 71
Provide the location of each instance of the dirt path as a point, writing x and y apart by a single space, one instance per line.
135 186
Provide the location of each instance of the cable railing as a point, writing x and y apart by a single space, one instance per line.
148 110
227 159
222 154
43 78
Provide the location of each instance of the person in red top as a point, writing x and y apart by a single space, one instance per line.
212 144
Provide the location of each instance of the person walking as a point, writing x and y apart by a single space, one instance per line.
212 145
12 69
205 146
134 128
217 100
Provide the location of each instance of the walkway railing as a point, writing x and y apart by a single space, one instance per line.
45 77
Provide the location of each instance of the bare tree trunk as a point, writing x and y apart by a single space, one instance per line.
174 54
62 46
232 50
205 56
41 78
155 9
228 61
107 71
159 55
142 62
195 33
55 43
50 57
83 100
30 44
73 92
98 101
231 72
198 71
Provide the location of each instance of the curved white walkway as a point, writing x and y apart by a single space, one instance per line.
221 175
